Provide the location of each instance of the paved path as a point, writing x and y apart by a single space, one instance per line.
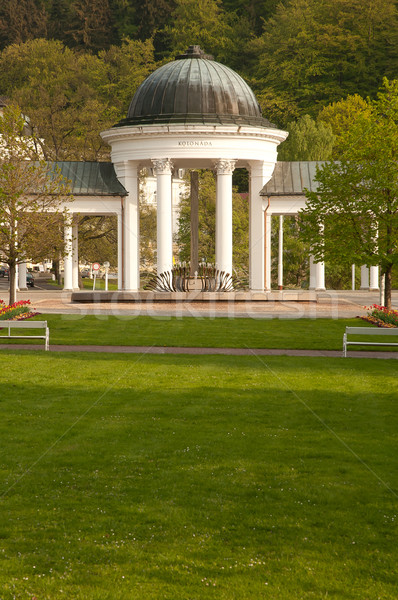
331 305
201 351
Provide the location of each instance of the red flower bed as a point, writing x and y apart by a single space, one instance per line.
381 316
17 311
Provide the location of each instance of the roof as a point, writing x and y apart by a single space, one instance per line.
91 178
194 89
291 178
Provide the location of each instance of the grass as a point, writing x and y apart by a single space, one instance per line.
99 284
174 477
88 284
318 334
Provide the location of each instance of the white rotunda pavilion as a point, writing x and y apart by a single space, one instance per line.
193 113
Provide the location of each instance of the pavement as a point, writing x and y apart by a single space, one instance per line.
259 352
330 305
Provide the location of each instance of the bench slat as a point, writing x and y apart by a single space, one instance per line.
23 324
23 337
371 331
372 343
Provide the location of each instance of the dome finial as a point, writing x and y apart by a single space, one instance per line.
194 51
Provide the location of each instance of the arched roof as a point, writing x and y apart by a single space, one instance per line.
194 89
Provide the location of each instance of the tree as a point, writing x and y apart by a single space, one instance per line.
91 24
201 22
31 196
120 70
295 252
71 97
307 140
353 215
22 21
55 87
98 239
340 116
315 53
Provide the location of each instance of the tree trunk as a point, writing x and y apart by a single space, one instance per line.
388 287
57 271
12 282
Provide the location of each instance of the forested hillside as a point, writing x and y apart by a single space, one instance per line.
73 65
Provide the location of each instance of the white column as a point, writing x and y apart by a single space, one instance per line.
127 172
260 174
353 277
163 169
374 278
320 276
280 254
68 280
267 231
364 278
22 276
224 169
120 250
312 284
374 270
75 257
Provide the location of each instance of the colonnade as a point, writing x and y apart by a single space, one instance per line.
163 169
260 226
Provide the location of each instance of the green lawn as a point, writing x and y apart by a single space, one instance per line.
321 334
147 477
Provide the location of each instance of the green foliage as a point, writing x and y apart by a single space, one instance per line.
70 97
119 72
55 87
91 24
201 22
340 116
22 21
98 239
307 140
31 196
295 253
357 197
148 235
314 54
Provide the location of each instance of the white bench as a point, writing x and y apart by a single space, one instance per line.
24 325
386 331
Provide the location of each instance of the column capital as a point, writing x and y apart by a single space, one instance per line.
162 166
126 168
225 166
